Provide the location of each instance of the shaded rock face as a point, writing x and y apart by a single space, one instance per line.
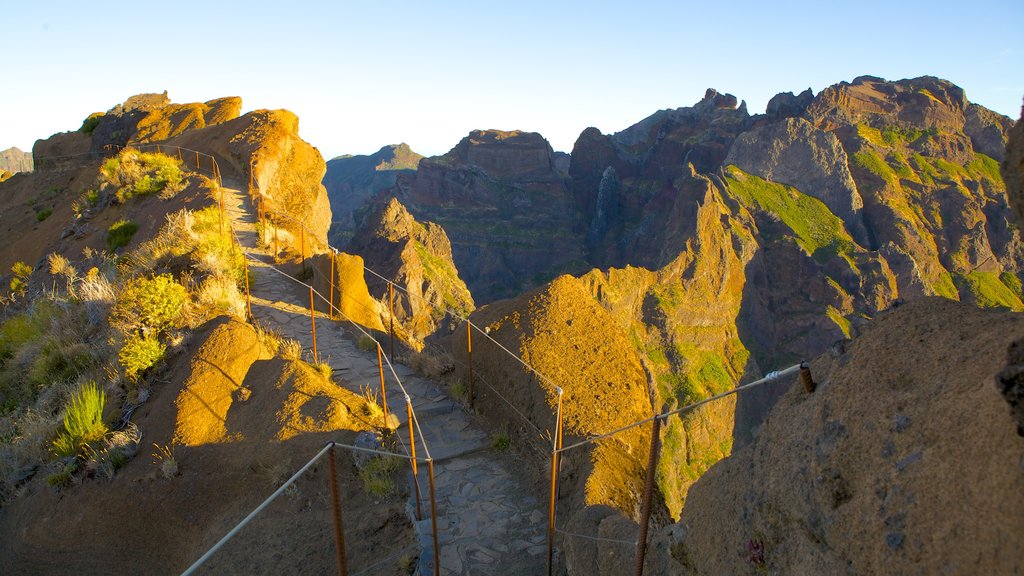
1012 169
418 257
351 181
794 152
625 184
505 207
14 160
786 105
843 480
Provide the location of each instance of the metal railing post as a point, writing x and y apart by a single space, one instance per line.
645 508
433 519
391 317
312 322
412 448
383 391
805 378
469 355
339 529
554 485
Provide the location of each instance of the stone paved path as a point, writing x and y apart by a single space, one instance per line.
487 523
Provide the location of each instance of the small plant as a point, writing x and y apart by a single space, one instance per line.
63 477
140 353
19 284
371 409
291 349
366 344
120 234
324 368
164 459
378 475
135 173
83 421
150 304
43 214
457 389
501 442
90 123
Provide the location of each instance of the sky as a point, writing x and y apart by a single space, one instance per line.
367 74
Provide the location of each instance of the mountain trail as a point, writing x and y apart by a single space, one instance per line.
487 521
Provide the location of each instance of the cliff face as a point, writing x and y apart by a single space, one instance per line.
505 207
845 480
351 181
153 118
418 257
14 160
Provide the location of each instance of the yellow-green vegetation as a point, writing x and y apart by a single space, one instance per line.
132 173
991 290
378 475
90 123
150 305
446 278
815 228
19 283
140 353
43 214
120 234
837 317
83 421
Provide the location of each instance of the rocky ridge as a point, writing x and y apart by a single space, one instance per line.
14 160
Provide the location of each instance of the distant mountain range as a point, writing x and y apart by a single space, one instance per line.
14 160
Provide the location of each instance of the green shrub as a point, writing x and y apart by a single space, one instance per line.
140 353
378 475
150 304
43 214
83 421
63 478
58 363
501 442
90 123
367 344
120 234
136 173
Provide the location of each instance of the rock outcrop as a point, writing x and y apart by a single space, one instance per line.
794 152
866 475
351 181
504 205
14 160
417 257
153 118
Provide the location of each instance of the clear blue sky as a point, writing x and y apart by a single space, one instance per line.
362 75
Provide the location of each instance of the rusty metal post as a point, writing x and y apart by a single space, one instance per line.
391 317
805 378
248 299
339 529
554 486
469 355
383 391
179 153
645 508
433 519
197 161
158 149
412 448
330 308
312 323
275 241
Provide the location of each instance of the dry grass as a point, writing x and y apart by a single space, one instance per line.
291 349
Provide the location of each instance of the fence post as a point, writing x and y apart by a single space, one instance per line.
645 509
383 391
197 161
412 448
334 256
275 241
391 316
469 355
554 484
339 529
433 519
302 248
312 323
805 378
